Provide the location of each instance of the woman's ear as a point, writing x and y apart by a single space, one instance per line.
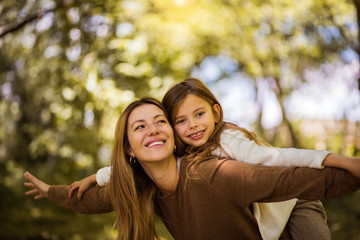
130 152
217 111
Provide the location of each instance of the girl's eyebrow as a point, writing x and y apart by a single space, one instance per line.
197 109
142 120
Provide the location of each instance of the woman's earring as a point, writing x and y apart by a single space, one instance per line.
174 148
132 161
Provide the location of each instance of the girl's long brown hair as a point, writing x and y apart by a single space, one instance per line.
131 191
172 100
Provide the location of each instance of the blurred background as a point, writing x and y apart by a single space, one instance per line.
288 70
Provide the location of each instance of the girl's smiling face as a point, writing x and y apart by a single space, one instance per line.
150 135
195 120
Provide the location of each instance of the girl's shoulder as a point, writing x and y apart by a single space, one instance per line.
232 132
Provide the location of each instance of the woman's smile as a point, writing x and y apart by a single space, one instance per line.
155 143
150 135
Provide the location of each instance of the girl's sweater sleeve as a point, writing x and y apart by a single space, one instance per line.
103 176
242 149
94 200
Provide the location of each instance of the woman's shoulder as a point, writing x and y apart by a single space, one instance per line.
204 168
215 166
221 172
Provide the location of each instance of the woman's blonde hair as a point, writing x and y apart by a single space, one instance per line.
173 99
131 191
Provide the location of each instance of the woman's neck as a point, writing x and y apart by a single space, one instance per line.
164 174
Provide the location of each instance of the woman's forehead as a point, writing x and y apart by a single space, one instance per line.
145 112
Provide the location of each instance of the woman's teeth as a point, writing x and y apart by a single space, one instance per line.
155 143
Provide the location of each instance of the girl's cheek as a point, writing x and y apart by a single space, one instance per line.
178 131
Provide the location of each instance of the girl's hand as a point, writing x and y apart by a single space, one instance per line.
39 187
351 164
82 185
354 166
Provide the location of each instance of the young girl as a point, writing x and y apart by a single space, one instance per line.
197 118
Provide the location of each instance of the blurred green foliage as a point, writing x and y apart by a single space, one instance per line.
68 68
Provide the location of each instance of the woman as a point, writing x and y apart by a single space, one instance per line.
209 201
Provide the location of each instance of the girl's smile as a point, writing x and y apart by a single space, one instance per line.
195 120
197 135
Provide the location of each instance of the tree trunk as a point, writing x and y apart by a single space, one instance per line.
357 7
291 134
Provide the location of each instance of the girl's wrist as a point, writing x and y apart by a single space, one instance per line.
338 161
92 178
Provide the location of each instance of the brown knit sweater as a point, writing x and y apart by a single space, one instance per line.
214 203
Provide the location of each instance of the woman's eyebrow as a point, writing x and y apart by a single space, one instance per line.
159 115
142 120
137 121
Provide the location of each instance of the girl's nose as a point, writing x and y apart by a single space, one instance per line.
193 124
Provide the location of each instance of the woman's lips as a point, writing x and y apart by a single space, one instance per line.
155 143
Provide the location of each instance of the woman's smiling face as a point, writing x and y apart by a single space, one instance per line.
150 135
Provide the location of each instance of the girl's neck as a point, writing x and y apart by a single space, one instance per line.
165 175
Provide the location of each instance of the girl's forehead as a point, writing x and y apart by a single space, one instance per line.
192 97
191 101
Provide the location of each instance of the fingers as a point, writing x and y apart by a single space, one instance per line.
73 187
28 184
74 184
37 197
31 192
71 192
28 176
31 178
39 186
80 193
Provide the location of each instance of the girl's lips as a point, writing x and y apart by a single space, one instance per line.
197 135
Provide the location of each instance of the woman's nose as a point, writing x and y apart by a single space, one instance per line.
153 129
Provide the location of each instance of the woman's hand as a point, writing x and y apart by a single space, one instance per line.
39 187
82 185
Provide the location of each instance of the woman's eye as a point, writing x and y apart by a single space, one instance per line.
139 127
161 121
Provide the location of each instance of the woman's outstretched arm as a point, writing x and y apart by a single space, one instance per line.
93 201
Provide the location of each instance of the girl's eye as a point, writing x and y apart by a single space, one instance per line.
179 121
200 114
